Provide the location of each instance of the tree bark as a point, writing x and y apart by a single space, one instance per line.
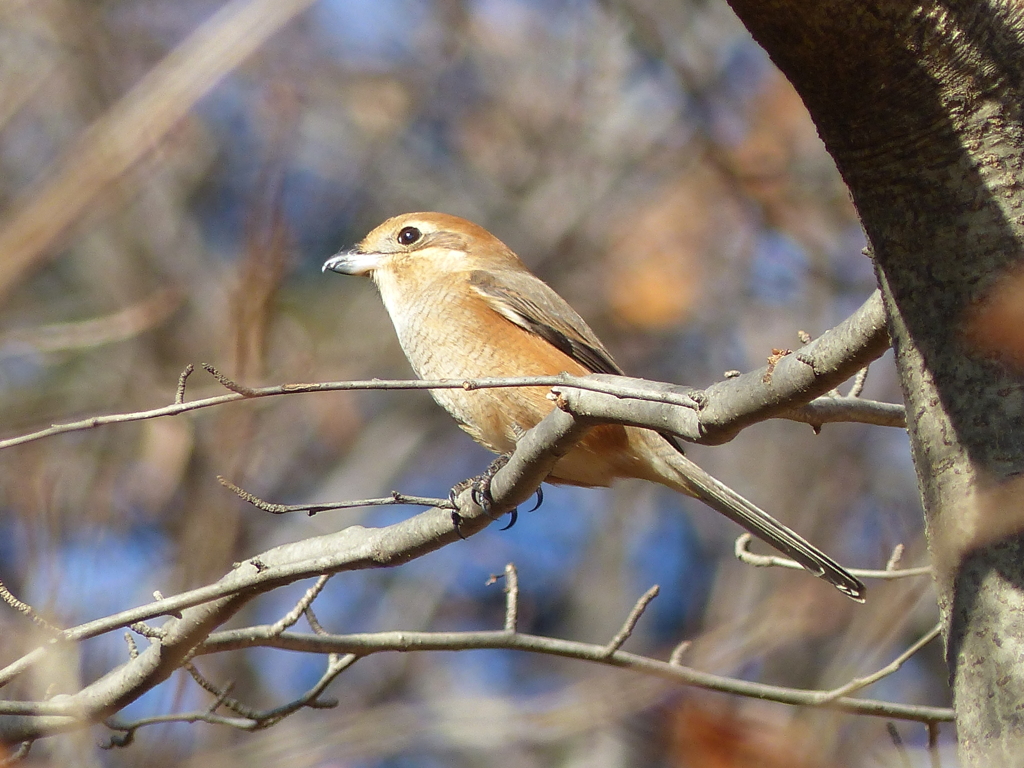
920 106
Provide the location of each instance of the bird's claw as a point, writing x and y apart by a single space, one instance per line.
481 484
480 492
453 496
457 524
540 500
512 517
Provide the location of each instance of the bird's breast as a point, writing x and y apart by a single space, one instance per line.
448 331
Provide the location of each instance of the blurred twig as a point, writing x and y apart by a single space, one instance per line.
129 322
133 127
888 669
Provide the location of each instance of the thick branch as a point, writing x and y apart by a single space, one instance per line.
787 388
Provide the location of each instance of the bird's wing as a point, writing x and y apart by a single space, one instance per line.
549 316
530 303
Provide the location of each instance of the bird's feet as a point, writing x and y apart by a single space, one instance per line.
481 493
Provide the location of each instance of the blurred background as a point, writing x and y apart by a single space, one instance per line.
173 175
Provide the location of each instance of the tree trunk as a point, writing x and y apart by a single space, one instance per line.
920 106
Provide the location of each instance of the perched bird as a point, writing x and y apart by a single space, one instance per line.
464 306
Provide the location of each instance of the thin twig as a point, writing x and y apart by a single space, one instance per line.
226 382
179 395
743 554
830 408
353 548
888 669
312 697
224 698
18 754
27 610
312 509
630 624
126 739
222 695
314 622
290 618
142 628
858 382
258 720
676 657
894 559
817 411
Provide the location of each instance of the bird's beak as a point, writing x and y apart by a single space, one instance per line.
352 262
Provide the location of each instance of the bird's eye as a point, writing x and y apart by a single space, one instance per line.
409 235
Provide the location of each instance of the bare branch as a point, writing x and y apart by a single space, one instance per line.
336 665
356 547
693 426
727 407
379 642
744 554
141 628
830 409
128 738
314 622
133 649
671 397
933 745
249 720
223 695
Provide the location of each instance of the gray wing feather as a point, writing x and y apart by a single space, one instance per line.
545 314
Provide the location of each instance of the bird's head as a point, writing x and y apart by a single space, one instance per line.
419 244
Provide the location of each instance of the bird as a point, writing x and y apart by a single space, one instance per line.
465 306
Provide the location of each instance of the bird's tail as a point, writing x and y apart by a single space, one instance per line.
691 479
